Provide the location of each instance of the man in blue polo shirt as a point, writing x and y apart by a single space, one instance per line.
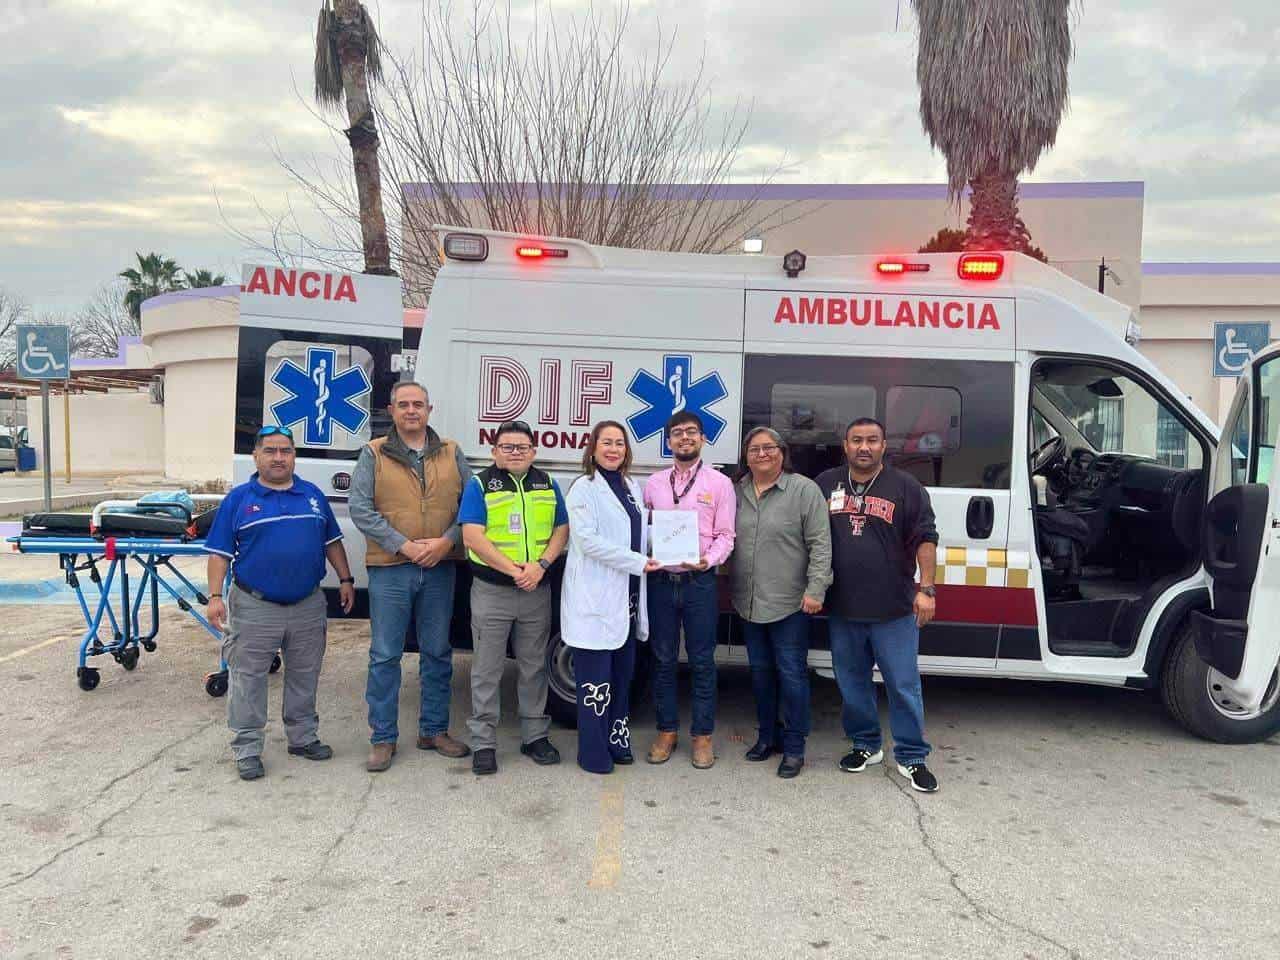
275 532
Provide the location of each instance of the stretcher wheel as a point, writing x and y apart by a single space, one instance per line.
215 685
129 658
149 646
87 677
275 663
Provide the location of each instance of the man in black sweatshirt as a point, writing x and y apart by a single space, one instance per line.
882 528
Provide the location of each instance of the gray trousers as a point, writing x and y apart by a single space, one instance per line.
495 609
256 629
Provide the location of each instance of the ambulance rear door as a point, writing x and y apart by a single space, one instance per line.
318 354
938 370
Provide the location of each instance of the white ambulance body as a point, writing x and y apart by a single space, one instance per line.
1068 475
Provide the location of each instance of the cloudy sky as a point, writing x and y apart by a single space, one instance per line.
153 124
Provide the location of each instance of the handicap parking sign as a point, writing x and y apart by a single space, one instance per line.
44 352
1235 344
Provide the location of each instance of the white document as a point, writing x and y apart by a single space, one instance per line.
675 537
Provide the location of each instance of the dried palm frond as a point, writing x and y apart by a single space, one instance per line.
328 67
993 82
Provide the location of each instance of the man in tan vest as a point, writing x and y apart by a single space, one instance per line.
404 498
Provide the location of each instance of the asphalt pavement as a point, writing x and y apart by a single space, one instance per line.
1072 822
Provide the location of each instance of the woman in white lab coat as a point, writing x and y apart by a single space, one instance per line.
603 613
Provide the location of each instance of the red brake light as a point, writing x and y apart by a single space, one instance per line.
534 251
895 267
980 266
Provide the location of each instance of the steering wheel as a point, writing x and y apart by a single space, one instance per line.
1046 453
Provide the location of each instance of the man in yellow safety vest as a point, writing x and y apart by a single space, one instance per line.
515 526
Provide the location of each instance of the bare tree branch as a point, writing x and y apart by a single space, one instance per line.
560 131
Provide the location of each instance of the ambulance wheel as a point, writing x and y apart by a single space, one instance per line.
562 690
215 685
1195 697
275 664
87 677
129 658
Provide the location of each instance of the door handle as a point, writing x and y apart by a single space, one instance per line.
980 518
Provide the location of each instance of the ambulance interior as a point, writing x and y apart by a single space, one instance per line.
1118 479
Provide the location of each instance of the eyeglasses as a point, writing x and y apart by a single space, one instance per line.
515 447
767 450
273 430
679 432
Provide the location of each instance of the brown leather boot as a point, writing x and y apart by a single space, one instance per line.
662 747
704 755
444 745
380 757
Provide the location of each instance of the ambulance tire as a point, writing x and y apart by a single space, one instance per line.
562 702
1184 687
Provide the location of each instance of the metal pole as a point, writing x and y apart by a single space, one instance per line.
66 428
44 442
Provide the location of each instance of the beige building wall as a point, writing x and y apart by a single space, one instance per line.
111 433
193 335
1180 304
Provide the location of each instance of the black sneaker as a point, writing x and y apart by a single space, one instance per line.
250 768
541 752
920 777
484 762
315 750
858 760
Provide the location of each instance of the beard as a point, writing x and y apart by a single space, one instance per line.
685 457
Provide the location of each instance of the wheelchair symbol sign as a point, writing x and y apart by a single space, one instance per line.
43 352
1236 344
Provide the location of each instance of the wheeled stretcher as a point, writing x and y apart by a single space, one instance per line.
117 538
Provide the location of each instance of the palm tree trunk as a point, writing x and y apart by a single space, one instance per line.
993 222
352 43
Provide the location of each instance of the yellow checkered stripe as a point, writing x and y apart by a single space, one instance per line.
983 567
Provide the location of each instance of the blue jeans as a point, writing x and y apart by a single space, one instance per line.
856 646
395 594
689 601
779 655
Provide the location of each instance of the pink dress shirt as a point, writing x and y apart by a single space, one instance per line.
712 496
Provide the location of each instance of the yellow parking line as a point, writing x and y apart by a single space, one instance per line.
31 649
608 863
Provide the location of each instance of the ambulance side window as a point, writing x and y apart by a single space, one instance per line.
949 423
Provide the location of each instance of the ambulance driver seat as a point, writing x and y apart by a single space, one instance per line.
1061 537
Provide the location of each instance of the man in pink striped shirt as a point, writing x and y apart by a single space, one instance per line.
686 596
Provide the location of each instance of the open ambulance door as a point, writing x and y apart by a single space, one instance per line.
1239 639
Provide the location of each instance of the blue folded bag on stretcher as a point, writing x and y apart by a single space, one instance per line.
170 503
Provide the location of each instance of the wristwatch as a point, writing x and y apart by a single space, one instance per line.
350 580
929 591
543 563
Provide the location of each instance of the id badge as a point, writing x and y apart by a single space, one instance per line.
515 523
837 500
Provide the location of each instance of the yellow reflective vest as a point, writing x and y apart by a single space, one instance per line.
521 516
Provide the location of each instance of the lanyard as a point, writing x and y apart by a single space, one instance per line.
687 487
859 494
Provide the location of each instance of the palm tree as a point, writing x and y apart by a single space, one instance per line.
203 278
347 58
154 275
993 88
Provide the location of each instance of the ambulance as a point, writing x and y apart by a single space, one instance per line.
1094 525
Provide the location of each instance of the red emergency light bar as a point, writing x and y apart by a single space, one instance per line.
535 251
896 267
980 266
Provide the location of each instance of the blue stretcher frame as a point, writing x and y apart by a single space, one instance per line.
154 556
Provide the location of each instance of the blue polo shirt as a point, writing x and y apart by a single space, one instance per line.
275 539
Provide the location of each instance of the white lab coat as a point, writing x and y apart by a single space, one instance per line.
594 611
